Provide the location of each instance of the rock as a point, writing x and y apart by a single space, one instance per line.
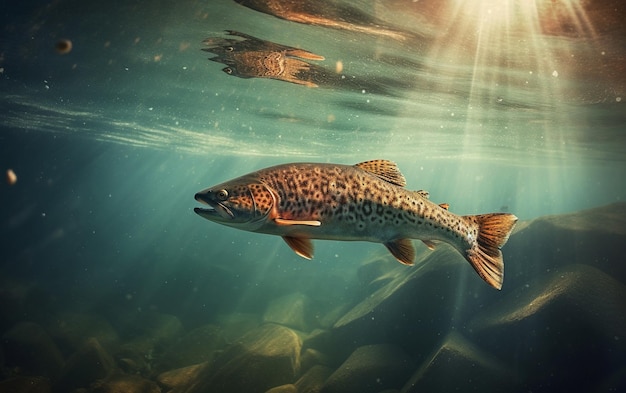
290 310
433 268
264 358
71 330
156 327
595 237
150 333
26 385
289 388
135 357
182 377
373 274
329 315
235 325
197 346
313 380
370 369
549 327
459 366
87 365
28 347
423 298
124 384
312 357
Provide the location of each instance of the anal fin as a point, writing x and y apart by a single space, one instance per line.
300 245
402 250
430 244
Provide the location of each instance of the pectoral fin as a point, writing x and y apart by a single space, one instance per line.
300 245
402 250
282 221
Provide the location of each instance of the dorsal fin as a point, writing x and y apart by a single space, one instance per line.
385 170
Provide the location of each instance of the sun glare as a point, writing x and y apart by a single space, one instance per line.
516 56
506 68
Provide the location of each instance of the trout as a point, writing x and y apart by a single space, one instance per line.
363 202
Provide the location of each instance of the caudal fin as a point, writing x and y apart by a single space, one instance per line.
485 255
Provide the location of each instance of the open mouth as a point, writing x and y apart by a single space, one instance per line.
215 209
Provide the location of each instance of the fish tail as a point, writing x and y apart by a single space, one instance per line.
485 255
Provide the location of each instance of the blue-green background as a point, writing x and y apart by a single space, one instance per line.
489 108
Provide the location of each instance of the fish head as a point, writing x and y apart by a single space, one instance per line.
244 203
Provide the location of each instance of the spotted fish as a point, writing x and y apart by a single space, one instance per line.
366 201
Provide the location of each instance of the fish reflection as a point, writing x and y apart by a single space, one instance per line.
327 14
250 57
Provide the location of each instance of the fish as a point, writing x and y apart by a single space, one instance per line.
368 201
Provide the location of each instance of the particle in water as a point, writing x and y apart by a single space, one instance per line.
11 177
339 67
63 46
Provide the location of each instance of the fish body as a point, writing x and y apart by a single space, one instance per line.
363 202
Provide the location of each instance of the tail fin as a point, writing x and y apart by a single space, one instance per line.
485 255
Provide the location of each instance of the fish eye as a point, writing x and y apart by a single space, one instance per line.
222 195
229 49
228 70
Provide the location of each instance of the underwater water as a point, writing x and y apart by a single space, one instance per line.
114 114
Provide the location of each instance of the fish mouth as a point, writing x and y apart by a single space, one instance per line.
216 210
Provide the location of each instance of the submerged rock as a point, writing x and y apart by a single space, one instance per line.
156 327
313 380
420 298
563 331
595 237
89 364
291 310
28 347
551 308
182 377
26 385
459 366
370 369
124 384
373 274
149 333
312 357
289 388
197 346
71 330
236 324
264 358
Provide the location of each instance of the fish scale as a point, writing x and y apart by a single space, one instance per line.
366 201
342 195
